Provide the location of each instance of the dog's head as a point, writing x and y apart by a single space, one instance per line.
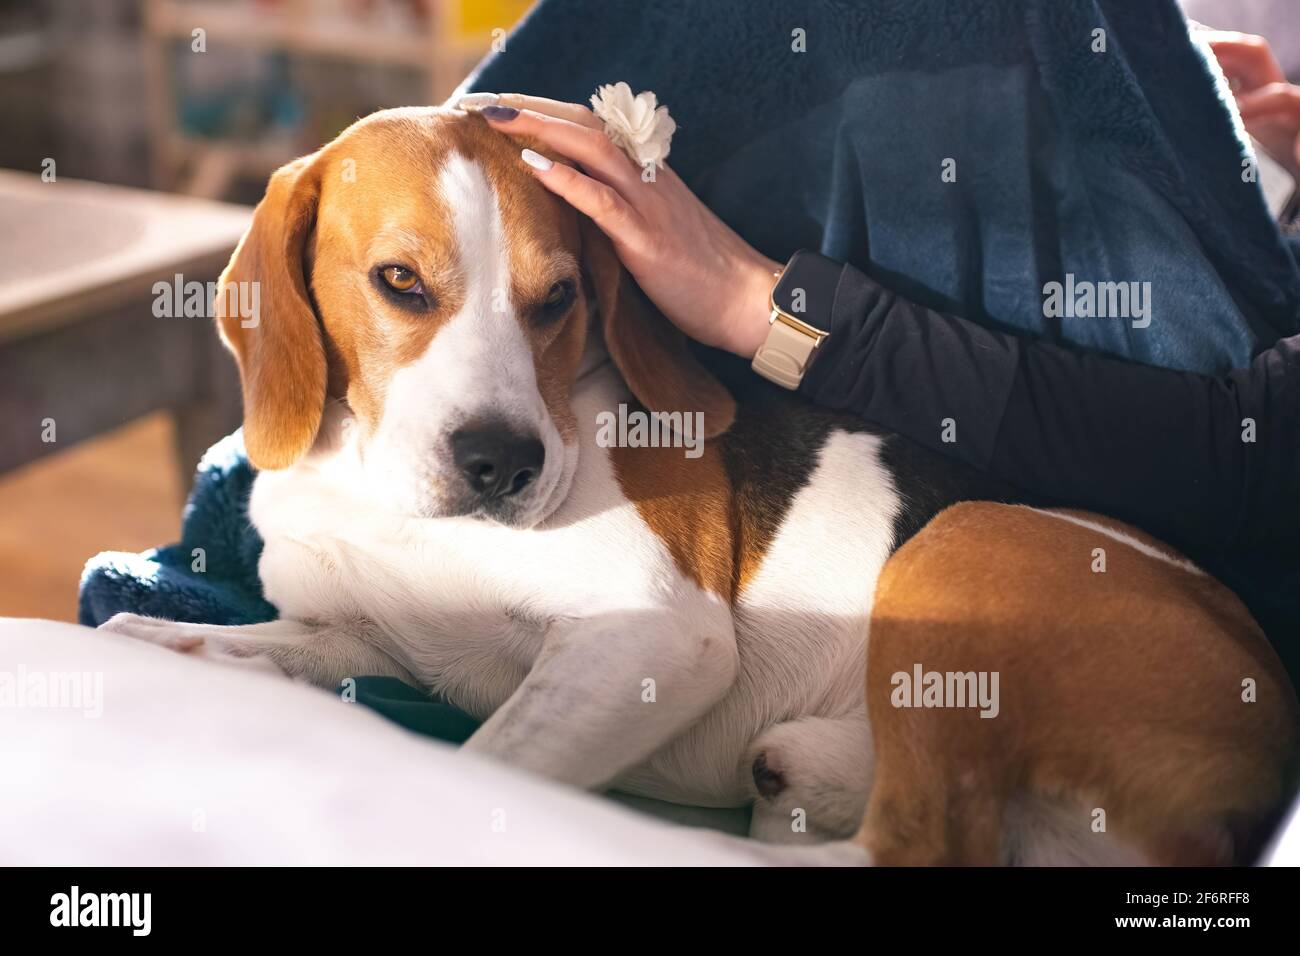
424 306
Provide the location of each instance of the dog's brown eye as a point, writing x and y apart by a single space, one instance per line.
400 279
556 303
558 295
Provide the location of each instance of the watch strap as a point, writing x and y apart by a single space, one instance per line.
784 356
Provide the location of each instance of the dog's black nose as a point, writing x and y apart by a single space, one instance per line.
496 461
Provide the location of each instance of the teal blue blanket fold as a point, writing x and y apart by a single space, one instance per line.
967 154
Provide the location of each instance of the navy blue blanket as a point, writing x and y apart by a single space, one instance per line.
1119 165
1114 165
209 576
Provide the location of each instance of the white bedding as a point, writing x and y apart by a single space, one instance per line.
191 761
151 757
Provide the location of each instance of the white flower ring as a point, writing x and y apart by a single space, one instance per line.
635 124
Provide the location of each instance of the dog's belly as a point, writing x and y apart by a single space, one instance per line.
801 628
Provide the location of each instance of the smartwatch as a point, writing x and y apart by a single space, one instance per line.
801 317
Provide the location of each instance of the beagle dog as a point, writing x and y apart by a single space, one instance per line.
440 345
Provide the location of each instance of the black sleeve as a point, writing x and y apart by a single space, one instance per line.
1210 463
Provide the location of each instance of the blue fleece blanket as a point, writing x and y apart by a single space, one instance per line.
830 125
1119 164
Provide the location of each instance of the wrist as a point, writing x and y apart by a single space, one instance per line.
750 321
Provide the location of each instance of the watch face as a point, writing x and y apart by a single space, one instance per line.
806 289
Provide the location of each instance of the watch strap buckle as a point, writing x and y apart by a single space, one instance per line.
784 357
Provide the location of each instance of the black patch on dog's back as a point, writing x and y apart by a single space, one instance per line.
775 444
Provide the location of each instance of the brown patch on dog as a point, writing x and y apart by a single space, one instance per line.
654 357
687 504
279 351
1120 690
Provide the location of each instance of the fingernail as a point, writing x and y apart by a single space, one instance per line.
536 160
476 101
499 113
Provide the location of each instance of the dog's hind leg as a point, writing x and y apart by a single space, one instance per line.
810 775
925 812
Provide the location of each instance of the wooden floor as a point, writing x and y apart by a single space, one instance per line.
120 492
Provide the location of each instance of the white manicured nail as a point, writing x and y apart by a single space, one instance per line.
476 101
536 160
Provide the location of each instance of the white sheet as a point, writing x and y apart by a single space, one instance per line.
197 762
186 761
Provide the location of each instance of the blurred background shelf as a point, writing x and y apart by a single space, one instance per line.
204 123
126 92
296 27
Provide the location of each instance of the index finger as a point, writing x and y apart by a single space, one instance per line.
582 144
573 112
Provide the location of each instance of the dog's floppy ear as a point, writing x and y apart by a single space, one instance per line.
279 348
652 354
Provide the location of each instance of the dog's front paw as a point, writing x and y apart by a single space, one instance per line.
170 634
207 641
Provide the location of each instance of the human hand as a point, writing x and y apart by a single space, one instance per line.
703 277
1269 105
